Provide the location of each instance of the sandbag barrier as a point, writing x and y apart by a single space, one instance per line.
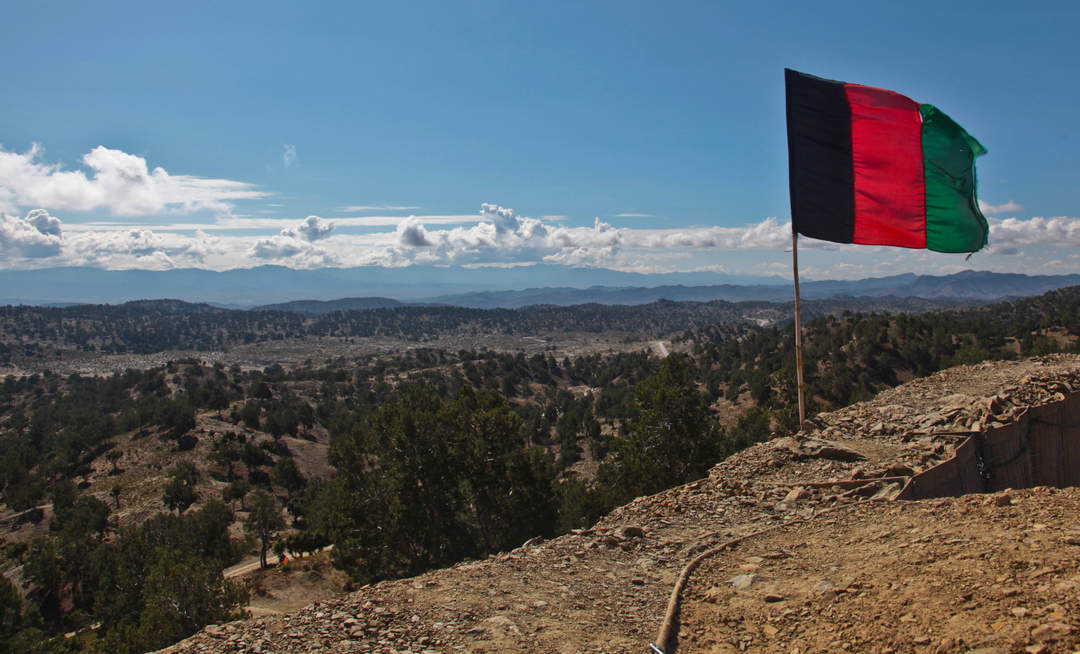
1041 448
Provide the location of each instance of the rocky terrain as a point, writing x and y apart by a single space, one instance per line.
814 563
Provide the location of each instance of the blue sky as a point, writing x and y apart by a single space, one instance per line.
638 136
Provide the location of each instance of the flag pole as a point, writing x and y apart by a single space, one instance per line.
798 328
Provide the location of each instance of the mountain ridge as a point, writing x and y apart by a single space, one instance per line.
480 287
966 285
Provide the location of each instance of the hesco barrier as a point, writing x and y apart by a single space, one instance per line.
1042 448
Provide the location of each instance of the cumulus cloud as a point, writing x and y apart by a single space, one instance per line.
278 247
410 233
996 210
312 229
295 243
295 252
139 248
288 154
119 182
42 237
38 235
43 222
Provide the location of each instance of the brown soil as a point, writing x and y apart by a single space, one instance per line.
301 582
933 576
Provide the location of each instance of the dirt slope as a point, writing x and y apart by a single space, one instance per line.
942 575
606 589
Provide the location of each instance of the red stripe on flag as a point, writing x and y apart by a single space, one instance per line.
886 148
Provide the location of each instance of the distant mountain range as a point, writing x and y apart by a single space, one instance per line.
974 286
247 287
313 291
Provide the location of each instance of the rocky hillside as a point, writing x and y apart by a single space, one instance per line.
811 564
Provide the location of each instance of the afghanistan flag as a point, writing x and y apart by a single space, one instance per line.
874 167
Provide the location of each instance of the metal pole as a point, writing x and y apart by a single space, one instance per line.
798 329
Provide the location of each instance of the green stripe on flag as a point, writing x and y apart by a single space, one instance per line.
953 220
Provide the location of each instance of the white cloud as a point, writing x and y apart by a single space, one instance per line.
43 222
312 229
278 247
585 256
37 235
767 234
498 236
410 233
294 252
132 248
288 154
1011 233
119 182
294 244
502 236
995 210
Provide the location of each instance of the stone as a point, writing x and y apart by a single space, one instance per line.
795 494
899 470
742 582
631 531
1051 631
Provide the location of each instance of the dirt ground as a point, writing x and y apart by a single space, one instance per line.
301 582
948 575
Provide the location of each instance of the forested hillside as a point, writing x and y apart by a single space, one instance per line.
33 333
436 456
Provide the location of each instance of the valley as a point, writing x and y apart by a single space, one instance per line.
414 439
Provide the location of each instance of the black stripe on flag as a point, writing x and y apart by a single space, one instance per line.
820 171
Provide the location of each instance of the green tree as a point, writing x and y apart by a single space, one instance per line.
11 613
672 439
184 593
180 490
424 482
287 475
264 522
237 490
254 456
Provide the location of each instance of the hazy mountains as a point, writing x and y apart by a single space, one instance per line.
246 287
972 286
375 287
